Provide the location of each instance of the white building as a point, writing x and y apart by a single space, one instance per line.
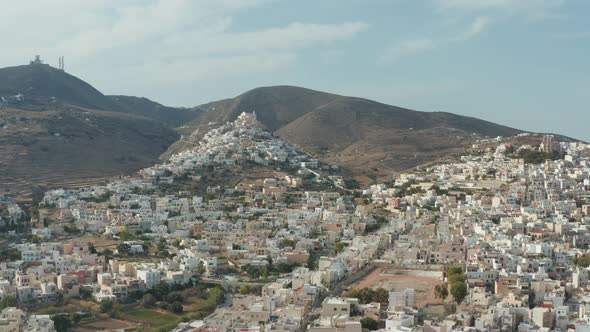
150 277
401 299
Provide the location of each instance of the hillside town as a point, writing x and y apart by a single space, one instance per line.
244 232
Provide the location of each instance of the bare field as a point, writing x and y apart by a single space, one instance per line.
100 243
398 280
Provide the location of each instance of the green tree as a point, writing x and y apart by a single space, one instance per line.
244 290
124 236
455 274
91 248
368 295
85 293
455 270
123 249
8 301
9 254
76 318
441 291
381 295
582 261
148 300
62 323
459 291
173 297
369 324
351 184
176 307
106 306
339 247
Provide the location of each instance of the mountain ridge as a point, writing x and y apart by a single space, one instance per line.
355 133
48 115
57 129
142 106
41 83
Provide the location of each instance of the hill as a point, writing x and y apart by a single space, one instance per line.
170 116
56 129
365 137
40 84
75 145
42 87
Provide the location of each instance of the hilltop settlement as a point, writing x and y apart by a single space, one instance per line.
244 232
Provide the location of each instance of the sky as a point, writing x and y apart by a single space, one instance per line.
521 63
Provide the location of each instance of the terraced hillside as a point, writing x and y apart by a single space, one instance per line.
75 145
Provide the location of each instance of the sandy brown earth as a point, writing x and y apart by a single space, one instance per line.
388 279
99 242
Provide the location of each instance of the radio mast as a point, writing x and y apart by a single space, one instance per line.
61 65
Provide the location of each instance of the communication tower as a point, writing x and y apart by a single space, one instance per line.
61 65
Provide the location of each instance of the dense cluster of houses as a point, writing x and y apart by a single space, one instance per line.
519 232
16 320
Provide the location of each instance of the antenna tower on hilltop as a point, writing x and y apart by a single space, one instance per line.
37 60
61 65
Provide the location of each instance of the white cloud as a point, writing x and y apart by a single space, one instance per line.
481 13
532 10
149 22
477 4
291 37
419 45
497 4
406 48
477 26
165 40
207 68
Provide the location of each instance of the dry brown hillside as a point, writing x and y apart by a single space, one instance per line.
73 146
57 130
366 138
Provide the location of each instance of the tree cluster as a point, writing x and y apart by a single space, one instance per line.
369 324
257 272
538 157
339 247
457 283
368 295
583 261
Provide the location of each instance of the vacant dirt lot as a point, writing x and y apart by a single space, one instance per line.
422 282
100 243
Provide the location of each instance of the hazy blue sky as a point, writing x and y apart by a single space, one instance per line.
523 63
